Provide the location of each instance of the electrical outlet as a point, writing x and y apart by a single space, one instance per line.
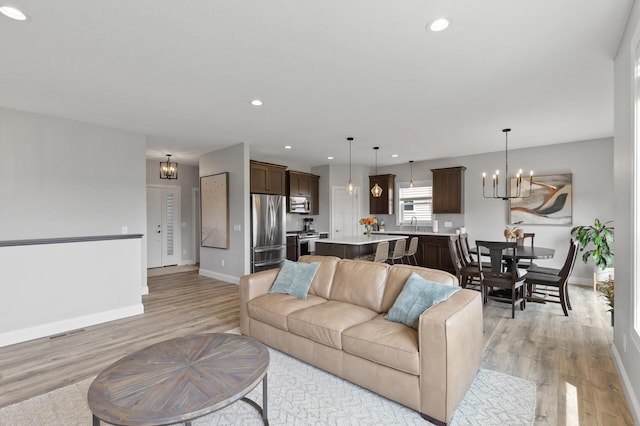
221 262
448 224
125 230
237 228
624 342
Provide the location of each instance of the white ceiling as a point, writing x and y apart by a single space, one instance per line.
183 73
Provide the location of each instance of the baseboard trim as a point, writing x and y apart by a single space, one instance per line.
187 262
634 405
145 290
218 276
44 330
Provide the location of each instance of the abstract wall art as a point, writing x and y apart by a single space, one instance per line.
214 210
550 202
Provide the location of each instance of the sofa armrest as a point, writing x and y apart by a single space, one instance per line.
252 286
450 339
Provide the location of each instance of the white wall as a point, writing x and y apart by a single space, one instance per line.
188 178
626 340
235 160
61 178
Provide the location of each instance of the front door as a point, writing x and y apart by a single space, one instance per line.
163 226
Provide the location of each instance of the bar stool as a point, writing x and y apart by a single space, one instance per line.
398 252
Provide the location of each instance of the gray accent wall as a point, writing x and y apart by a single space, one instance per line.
235 160
626 348
64 178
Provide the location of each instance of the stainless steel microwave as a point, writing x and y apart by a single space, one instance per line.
299 205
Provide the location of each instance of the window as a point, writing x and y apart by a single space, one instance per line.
415 202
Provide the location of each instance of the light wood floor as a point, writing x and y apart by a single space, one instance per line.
568 358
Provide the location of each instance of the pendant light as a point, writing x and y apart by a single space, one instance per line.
350 186
411 181
495 194
168 169
376 191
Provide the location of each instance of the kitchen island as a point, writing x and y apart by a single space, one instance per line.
353 247
433 248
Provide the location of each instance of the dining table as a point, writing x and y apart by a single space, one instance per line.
523 253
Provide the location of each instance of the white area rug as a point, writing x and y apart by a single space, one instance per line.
300 394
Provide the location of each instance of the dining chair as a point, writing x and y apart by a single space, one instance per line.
382 251
411 251
510 282
398 252
467 274
554 282
526 264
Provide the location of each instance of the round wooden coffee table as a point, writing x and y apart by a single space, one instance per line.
180 380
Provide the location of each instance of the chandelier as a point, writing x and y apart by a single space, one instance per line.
168 169
495 184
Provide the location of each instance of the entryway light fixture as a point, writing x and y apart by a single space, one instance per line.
495 194
13 13
411 181
376 191
350 186
168 169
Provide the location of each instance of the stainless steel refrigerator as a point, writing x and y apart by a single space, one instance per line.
268 232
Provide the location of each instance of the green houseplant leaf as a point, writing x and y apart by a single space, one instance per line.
595 241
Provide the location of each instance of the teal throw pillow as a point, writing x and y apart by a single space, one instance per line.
295 278
417 296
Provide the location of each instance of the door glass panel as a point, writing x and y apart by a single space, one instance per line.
169 211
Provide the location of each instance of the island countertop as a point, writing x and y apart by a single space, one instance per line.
416 233
359 240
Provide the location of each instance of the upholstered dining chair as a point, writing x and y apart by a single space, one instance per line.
554 283
398 252
382 251
411 251
510 282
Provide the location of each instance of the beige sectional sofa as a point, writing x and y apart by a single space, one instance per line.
340 328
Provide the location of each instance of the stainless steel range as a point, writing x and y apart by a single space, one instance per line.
307 242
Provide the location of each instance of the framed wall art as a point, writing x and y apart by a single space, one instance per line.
550 202
214 210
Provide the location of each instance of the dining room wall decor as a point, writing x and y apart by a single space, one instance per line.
214 205
550 202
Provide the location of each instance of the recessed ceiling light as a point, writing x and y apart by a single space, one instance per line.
13 13
439 24
256 102
329 158
287 147
394 155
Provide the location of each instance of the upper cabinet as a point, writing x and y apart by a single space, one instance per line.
448 190
267 178
300 184
385 203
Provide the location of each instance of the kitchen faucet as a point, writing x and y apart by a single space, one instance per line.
413 217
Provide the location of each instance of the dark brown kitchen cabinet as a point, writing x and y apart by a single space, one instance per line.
434 252
314 194
292 248
298 184
385 203
448 190
267 178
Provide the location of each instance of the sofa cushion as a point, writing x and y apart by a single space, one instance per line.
295 278
417 296
322 281
324 323
384 342
399 274
273 308
360 283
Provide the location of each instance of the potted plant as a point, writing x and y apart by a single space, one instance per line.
598 238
